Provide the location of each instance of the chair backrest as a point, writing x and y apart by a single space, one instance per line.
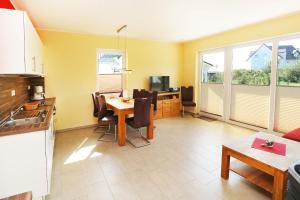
95 103
145 94
136 93
187 93
141 93
142 108
102 106
154 99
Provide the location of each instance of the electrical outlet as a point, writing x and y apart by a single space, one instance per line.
13 93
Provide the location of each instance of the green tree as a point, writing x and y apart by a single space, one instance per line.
216 77
289 74
252 77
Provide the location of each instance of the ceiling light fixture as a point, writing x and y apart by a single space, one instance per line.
125 67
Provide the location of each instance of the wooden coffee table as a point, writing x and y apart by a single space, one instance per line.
266 170
22 196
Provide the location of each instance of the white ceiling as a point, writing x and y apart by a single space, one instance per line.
169 20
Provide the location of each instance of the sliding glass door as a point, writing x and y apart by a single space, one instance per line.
256 85
287 112
250 86
212 79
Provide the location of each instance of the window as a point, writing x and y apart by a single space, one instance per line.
109 62
212 89
252 65
287 111
250 89
109 65
213 68
289 63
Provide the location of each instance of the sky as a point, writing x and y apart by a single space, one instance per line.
240 56
216 59
294 42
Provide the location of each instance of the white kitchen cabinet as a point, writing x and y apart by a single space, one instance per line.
26 163
20 45
50 139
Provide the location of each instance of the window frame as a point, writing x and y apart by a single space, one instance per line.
112 51
109 51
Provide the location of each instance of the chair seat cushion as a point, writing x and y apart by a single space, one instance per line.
109 118
110 113
130 122
189 103
293 135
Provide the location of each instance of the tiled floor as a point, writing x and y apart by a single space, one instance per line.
182 162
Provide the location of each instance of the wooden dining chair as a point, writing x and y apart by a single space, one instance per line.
154 95
106 117
96 111
187 95
145 94
95 103
141 118
140 93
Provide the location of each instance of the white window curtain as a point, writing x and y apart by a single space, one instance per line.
287 115
250 104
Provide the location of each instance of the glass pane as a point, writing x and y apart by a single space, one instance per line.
213 68
109 63
289 63
252 65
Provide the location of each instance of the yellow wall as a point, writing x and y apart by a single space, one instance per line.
70 68
267 29
70 63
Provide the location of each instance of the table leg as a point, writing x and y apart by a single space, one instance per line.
150 127
121 129
225 163
279 185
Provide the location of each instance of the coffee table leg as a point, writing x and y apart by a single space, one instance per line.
279 185
225 163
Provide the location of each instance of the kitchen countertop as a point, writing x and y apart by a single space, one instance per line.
23 196
48 106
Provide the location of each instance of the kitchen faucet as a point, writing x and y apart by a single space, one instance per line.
11 115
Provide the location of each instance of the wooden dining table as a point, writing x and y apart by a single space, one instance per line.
122 109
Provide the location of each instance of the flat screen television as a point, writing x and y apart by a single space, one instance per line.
159 83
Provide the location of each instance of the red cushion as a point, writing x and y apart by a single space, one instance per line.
293 135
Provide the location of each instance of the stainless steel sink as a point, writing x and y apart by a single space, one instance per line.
26 121
25 118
